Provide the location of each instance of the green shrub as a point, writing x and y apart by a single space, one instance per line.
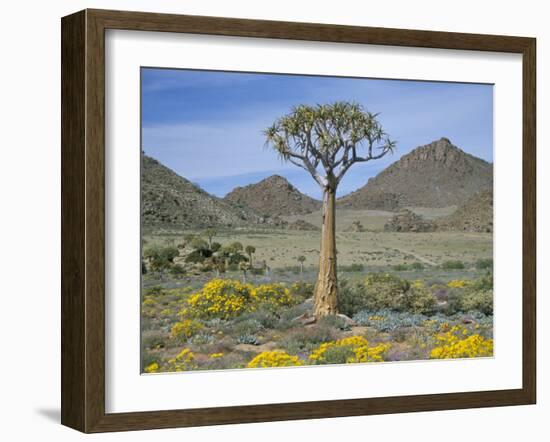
153 342
248 326
350 299
417 266
195 257
236 258
232 267
481 301
202 339
483 283
262 315
337 354
400 267
478 297
160 258
305 339
453 265
383 291
177 269
419 300
302 290
155 291
484 264
454 301
333 321
355 267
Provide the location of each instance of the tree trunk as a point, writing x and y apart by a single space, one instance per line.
326 287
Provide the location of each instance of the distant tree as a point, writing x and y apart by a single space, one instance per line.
209 234
219 264
201 246
161 258
326 140
250 250
244 267
236 247
301 260
232 254
215 246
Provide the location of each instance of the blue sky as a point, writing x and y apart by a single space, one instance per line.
207 126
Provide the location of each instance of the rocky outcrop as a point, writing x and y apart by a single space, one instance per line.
408 221
355 226
300 224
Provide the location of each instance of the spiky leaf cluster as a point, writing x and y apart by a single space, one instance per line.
326 139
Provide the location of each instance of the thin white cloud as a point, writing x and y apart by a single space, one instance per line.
200 151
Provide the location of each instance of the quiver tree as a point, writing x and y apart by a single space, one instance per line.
250 250
209 234
301 260
326 140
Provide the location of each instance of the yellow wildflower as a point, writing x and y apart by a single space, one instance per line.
151 368
274 358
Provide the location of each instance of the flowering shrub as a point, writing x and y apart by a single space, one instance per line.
166 312
384 291
186 328
275 358
481 300
301 289
378 291
227 299
151 368
219 299
457 343
272 295
149 302
348 350
216 355
418 300
471 300
458 284
184 360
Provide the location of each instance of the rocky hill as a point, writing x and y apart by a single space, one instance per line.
475 215
273 196
407 221
167 198
300 224
438 174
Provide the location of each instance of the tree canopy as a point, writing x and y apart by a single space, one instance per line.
327 139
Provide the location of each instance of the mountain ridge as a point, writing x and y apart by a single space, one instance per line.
168 198
437 174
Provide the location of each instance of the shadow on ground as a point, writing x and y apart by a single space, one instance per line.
51 414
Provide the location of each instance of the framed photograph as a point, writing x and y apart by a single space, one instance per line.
266 221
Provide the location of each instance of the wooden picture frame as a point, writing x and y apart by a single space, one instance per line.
83 220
